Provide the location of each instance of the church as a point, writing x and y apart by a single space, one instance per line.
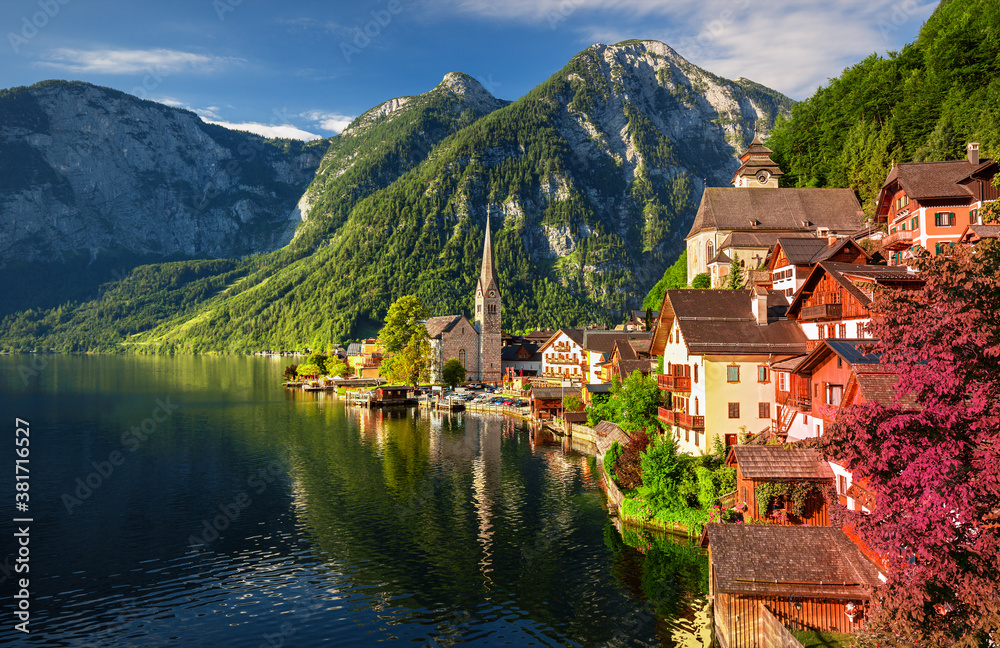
476 344
747 219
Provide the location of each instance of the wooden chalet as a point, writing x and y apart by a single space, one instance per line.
806 578
793 258
760 464
835 299
547 402
607 434
927 205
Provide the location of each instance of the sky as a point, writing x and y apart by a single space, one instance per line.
304 69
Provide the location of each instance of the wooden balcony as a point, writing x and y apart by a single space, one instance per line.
674 383
822 312
900 240
680 419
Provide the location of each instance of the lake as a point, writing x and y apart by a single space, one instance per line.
193 501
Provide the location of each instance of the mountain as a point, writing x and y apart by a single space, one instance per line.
592 180
93 180
922 103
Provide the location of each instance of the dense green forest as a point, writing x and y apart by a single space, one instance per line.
398 207
922 103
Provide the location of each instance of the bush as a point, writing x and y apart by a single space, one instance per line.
628 468
668 478
291 372
714 483
611 458
701 281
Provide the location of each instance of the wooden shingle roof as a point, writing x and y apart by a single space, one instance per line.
769 462
781 560
786 209
607 434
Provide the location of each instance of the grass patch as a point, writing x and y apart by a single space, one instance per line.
816 639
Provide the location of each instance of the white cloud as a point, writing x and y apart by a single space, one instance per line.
793 47
333 122
268 130
121 61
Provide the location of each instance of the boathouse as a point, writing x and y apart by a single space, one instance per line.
766 580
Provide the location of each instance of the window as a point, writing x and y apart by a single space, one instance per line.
861 330
764 410
733 373
696 406
761 373
461 357
834 394
842 484
709 251
915 223
944 219
782 381
687 435
731 441
677 335
816 390
840 362
696 374
843 330
974 217
734 410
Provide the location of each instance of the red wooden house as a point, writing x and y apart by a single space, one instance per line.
805 578
758 465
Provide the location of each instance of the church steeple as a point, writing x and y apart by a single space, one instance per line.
757 169
488 311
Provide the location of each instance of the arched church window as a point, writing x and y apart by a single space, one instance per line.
709 250
461 357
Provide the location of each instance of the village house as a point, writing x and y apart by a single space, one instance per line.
763 577
628 356
599 346
792 259
716 347
760 466
521 358
576 356
756 205
365 358
927 206
640 320
835 299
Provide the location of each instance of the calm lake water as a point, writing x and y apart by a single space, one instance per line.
194 502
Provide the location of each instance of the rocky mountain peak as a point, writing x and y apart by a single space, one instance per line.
471 91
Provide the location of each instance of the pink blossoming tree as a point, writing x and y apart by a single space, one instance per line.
935 469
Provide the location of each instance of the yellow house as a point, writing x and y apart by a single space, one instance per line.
365 358
716 345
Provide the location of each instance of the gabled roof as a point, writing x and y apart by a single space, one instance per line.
509 353
767 462
355 348
934 180
628 367
604 341
849 350
807 251
575 335
598 388
975 233
782 560
721 321
607 434
436 326
760 239
877 383
851 276
551 393
721 257
790 210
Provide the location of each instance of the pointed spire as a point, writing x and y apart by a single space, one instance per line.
488 274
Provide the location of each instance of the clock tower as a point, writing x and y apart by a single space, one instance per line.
488 312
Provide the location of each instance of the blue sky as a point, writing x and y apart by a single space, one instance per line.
305 68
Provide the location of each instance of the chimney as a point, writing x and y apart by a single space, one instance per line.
831 240
758 304
973 148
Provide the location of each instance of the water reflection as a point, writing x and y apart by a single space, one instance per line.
366 526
